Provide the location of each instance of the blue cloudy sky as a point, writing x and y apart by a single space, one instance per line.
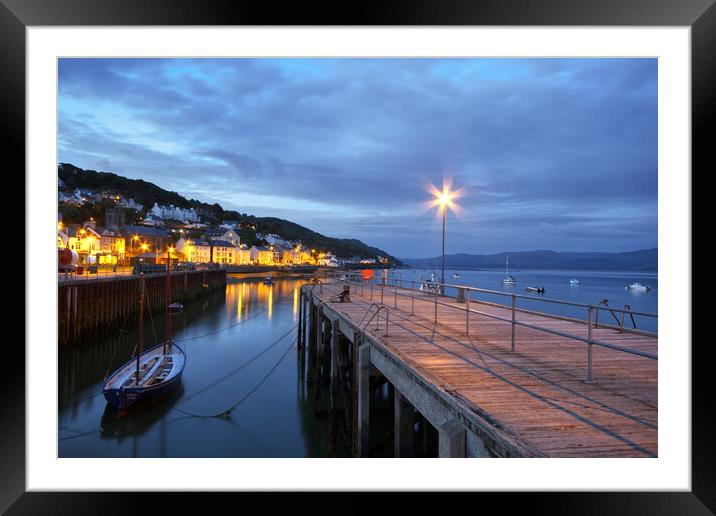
548 153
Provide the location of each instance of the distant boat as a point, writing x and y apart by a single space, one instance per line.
152 374
574 282
268 280
638 287
456 275
176 308
539 290
508 280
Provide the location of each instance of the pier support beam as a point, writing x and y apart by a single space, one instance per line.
334 388
403 426
363 399
451 439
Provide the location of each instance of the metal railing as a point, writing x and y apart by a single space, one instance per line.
377 320
432 292
94 272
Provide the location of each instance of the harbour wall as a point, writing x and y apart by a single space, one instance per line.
87 308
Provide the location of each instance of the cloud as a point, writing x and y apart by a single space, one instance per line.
347 146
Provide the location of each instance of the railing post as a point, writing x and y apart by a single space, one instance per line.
589 345
371 289
467 314
436 305
395 295
382 284
514 304
412 298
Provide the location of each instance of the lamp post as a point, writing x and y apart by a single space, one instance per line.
442 263
444 200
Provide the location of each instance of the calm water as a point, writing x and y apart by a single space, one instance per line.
594 287
222 335
275 421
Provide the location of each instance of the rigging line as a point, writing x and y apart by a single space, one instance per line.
151 319
242 366
224 414
116 345
236 324
227 413
85 434
80 401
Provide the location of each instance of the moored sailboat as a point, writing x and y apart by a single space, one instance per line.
508 280
153 373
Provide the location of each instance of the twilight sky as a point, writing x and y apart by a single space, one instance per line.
548 153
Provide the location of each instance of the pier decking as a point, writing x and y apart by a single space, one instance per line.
485 399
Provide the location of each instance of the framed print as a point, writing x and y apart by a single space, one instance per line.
300 250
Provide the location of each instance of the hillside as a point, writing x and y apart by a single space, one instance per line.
643 260
147 194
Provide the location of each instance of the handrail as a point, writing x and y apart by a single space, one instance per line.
387 319
518 296
366 312
591 323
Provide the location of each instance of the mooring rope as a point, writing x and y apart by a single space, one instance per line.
225 413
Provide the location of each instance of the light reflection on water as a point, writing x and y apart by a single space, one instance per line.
277 420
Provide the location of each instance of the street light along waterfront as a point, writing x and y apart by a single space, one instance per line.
444 199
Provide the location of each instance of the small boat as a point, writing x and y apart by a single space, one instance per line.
159 371
176 308
342 277
638 287
508 280
268 280
574 282
455 276
152 374
539 290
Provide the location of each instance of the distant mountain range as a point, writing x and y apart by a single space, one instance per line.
644 260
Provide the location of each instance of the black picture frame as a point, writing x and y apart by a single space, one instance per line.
700 15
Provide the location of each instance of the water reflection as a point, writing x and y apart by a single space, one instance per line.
219 333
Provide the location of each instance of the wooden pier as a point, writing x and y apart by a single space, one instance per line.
89 307
455 369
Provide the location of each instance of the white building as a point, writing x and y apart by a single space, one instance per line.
170 212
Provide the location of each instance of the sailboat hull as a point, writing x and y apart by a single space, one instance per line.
120 391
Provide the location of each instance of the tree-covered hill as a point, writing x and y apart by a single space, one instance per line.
148 194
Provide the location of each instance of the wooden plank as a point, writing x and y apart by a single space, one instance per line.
539 390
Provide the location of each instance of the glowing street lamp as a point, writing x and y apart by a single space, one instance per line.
444 199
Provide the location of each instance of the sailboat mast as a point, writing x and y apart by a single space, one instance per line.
140 345
167 301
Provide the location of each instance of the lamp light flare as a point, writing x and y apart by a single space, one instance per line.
445 198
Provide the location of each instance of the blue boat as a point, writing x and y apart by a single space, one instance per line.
152 374
159 369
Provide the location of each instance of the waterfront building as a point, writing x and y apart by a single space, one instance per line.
142 239
224 252
196 251
228 235
83 239
262 255
243 255
112 243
